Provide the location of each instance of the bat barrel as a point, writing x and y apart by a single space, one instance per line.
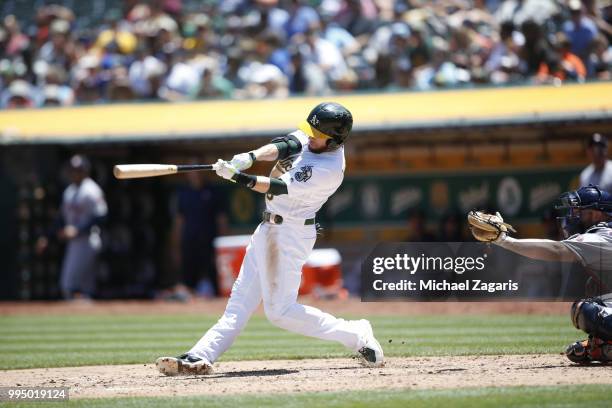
128 171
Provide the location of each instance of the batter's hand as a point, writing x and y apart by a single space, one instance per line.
225 170
242 161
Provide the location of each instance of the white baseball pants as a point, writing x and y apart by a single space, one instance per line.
271 271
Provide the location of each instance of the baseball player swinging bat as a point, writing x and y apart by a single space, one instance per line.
129 171
312 169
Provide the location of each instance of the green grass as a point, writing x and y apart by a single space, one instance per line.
55 341
592 396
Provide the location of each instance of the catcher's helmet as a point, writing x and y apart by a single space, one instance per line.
329 120
585 198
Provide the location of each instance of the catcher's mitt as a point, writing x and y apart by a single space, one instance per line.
488 227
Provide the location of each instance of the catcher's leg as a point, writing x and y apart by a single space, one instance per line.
595 318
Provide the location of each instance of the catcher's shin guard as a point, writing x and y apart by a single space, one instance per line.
592 349
594 317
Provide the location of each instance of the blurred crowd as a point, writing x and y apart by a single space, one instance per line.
183 50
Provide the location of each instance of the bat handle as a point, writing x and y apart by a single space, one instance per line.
194 167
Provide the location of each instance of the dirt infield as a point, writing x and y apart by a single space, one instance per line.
292 376
351 306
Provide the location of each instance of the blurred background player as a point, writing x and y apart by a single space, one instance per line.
599 172
83 209
199 219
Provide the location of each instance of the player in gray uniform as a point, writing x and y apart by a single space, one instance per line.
590 210
599 172
587 226
83 208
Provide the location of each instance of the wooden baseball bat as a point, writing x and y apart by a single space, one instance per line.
129 171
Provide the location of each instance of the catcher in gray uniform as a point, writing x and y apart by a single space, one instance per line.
587 225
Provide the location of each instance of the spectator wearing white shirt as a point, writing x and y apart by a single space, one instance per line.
182 83
326 55
145 74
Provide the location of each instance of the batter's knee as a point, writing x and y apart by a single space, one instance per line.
594 317
276 314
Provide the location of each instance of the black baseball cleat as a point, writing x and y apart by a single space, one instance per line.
183 365
371 354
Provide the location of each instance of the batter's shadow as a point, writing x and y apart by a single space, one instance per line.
247 373
356 367
570 366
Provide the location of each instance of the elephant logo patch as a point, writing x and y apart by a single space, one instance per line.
304 174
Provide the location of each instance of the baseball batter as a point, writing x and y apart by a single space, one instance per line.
588 230
309 169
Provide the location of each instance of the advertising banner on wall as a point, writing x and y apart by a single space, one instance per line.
387 198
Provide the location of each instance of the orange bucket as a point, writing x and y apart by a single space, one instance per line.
321 274
229 252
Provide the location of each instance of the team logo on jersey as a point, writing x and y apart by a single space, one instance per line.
285 164
314 121
304 174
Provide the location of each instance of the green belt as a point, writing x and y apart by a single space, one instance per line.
278 219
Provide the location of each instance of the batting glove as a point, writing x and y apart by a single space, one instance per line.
242 161
225 170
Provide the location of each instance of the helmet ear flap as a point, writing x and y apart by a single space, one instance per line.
332 144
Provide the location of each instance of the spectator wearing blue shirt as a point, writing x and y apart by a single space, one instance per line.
301 18
339 36
270 50
581 31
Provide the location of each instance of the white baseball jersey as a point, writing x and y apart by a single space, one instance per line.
602 178
311 179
